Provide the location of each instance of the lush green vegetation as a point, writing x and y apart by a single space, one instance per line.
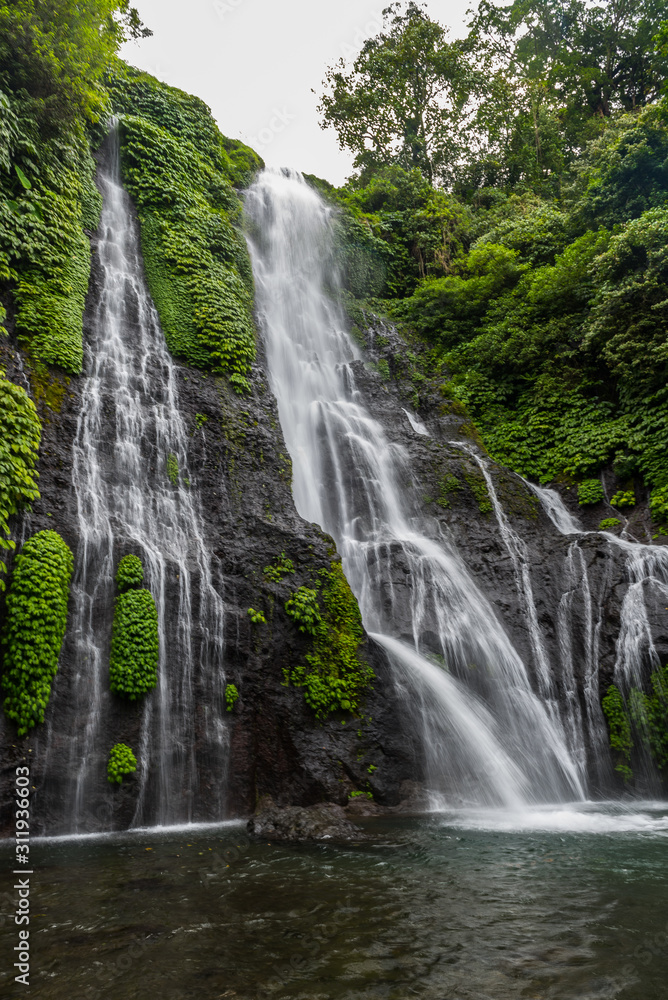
20 434
130 574
279 568
639 722
231 696
333 677
134 643
527 248
34 628
59 81
181 174
122 761
53 57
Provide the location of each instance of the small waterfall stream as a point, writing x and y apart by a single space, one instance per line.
489 737
129 426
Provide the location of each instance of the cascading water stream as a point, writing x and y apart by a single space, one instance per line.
488 737
129 426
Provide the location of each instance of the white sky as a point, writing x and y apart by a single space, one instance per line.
254 62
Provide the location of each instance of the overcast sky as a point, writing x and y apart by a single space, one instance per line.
254 62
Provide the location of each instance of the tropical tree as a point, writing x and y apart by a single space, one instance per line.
403 99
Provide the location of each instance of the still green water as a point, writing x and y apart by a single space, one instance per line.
566 905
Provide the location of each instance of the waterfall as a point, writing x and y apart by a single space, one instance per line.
129 425
489 737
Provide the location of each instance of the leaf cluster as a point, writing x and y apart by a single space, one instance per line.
122 761
333 676
35 626
133 662
20 435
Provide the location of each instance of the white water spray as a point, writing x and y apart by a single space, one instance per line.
489 739
129 425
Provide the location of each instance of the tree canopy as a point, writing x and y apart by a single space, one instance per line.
402 100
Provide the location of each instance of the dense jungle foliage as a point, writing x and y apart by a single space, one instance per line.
510 209
60 82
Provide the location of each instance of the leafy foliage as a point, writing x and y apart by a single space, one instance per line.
231 696
402 98
590 491
180 171
20 434
333 677
130 574
641 720
172 467
134 645
280 568
619 726
58 50
122 761
609 524
35 627
303 608
256 617
47 200
625 498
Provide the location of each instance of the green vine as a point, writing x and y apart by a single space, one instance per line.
130 574
590 491
122 761
45 204
641 720
35 627
134 643
303 608
333 677
180 171
279 568
20 433
231 696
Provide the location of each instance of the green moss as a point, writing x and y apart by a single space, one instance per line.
333 677
231 696
35 627
619 726
180 172
448 486
130 574
134 645
640 721
49 387
122 761
20 434
478 487
590 491
609 523
172 466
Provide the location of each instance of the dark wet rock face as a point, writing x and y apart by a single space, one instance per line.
325 821
239 466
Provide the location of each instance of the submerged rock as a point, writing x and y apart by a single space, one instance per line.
324 821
